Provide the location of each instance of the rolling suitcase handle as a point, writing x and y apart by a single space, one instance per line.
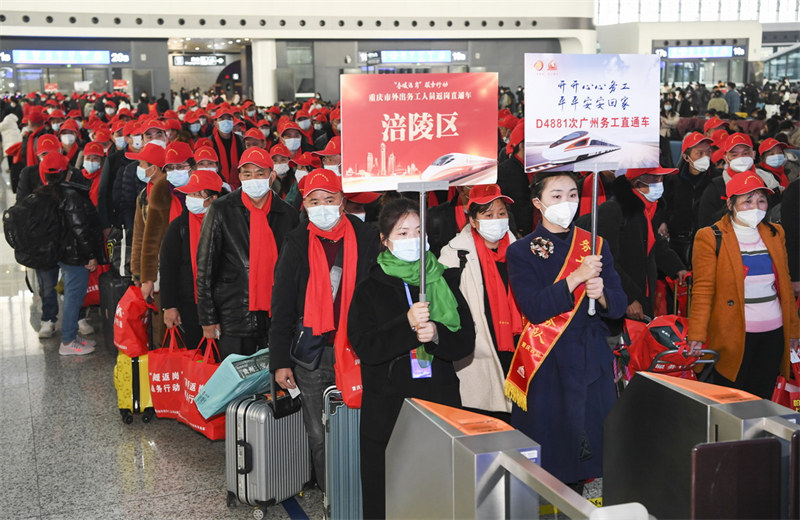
247 455
282 405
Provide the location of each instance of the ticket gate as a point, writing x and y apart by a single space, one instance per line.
658 422
442 462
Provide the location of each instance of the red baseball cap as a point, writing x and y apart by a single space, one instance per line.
56 114
279 149
717 156
203 142
322 179
191 117
151 153
743 183
289 125
363 197
307 159
486 193
172 124
69 126
75 114
509 122
735 140
48 143
254 133
102 135
633 173
516 137
131 128
719 137
177 152
36 115
191 103
712 123
274 110
205 153
53 163
334 147
150 124
124 112
202 180
94 148
693 139
257 156
335 114
770 143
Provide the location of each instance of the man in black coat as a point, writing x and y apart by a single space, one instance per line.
447 219
343 249
639 253
225 268
682 193
514 182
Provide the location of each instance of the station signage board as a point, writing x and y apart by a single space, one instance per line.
198 60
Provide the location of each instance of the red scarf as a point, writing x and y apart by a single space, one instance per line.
318 312
586 194
779 174
649 213
228 164
175 208
195 224
30 149
263 255
94 189
461 215
71 153
506 318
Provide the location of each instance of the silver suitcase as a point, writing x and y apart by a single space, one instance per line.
267 458
342 458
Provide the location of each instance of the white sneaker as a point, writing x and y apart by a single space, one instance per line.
47 329
85 328
85 342
75 349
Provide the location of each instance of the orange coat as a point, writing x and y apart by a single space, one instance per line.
717 311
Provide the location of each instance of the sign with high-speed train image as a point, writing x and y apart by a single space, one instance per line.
591 110
403 128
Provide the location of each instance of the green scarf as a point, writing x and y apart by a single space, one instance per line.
443 307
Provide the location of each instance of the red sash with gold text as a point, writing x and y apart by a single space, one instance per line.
537 340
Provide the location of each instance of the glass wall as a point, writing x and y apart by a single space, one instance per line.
785 65
765 11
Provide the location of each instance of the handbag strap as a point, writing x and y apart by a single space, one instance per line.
175 339
209 346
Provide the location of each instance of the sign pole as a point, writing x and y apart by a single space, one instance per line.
423 188
592 302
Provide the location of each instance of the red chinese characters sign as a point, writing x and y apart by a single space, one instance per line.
418 127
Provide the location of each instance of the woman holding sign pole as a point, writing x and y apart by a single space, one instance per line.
561 380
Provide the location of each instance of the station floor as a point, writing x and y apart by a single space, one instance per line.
65 452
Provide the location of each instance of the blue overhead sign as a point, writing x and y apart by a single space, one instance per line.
68 57
711 51
416 56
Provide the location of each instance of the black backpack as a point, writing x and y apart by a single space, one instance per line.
33 228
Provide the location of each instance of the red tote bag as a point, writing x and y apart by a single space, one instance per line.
166 374
787 391
348 374
197 370
93 288
130 323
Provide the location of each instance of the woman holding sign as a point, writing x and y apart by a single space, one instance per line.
561 380
406 347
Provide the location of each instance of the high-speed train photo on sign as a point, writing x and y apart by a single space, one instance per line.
457 166
577 146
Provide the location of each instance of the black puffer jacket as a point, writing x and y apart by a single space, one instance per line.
223 263
82 239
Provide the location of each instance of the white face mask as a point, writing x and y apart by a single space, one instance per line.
265 131
120 143
360 216
256 188
655 192
305 124
239 133
751 217
299 174
136 141
741 164
51 110
407 249
203 120
159 142
293 143
560 214
338 127
282 169
334 168
55 126
141 173
194 128
91 166
775 161
251 113
702 164
493 229
324 217
178 177
110 111
225 125
196 205
181 116
67 139
317 126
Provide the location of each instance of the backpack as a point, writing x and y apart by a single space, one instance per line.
33 228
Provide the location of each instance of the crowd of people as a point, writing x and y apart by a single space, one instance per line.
240 231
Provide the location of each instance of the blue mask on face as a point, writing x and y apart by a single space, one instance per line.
225 126
178 177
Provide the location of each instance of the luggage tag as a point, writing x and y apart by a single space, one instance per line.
420 368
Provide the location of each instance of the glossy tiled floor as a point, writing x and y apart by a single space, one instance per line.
64 451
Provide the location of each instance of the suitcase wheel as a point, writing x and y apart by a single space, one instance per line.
148 415
258 513
231 499
127 416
